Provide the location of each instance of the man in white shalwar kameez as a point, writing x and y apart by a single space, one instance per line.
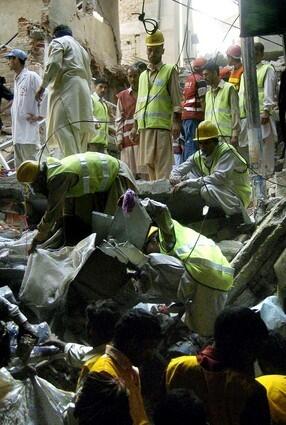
68 77
26 112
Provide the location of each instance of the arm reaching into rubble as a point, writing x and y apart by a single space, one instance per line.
9 311
161 216
184 171
57 189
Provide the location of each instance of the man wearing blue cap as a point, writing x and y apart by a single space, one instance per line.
26 112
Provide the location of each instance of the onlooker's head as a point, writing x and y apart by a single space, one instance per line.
103 400
234 55
62 30
179 407
101 86
137 334
211 73
259 52
4 345
239 334
198 64
17 59
133 74
155 47
101 318
272 356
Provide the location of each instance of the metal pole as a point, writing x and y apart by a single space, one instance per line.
253 121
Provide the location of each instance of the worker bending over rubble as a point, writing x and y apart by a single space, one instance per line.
75 186
217 172
208 277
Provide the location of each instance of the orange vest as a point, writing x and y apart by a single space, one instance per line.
235 77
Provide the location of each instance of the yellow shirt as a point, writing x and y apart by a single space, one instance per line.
276 392
116 364
226 394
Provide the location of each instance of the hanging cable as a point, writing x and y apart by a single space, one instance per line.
147 21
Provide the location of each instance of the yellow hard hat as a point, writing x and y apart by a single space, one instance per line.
206 130
28 171
152 230
156 39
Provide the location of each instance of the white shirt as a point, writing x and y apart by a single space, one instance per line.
24 103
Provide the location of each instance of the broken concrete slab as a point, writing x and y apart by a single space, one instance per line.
230 248
254 264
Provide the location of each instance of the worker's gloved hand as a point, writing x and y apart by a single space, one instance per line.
27 329
180 186
174 180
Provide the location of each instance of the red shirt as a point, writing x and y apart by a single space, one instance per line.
192 106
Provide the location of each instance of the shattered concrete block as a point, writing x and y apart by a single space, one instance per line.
254 264
280 271
230 248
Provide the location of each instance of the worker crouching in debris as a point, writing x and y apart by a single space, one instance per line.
74 187
208 277
217 172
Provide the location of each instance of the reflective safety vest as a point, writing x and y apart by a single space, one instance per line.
261 72
238 182
201 257
100 112
218 109
96 172
235 77
154 105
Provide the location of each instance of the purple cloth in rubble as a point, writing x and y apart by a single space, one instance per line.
128 201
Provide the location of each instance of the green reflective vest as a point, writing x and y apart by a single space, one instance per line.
100 112
201 257
154 105
96 172
261 74
238 182
218 109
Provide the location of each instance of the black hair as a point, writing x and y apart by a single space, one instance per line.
273 354
139 66
62 30
180 407
102 316
2 80
22 61
238 330
103 400
212 67
259 47
101 80
136 325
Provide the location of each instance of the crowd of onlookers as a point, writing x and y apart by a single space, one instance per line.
238 376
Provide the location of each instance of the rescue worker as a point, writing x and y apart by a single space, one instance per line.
222 105
208 275
234 60
158 111
193 105
266 81
89 181
101 115
217 172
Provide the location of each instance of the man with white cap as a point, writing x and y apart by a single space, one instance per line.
26 112
234 59
193 106
158 111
